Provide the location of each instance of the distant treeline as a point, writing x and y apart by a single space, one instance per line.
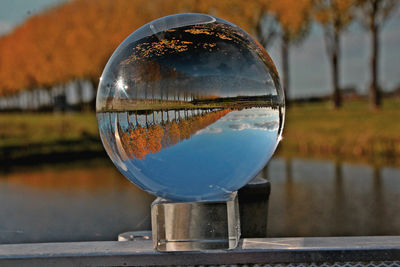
75 40
76 95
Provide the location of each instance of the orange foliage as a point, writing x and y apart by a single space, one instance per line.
154 137
139 142
173 133
77 38
137 145
293 15
89 179
337 13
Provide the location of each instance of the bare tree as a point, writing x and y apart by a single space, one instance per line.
334 16
373 15
293 20
267 30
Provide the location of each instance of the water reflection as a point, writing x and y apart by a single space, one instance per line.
308 198
169 152
70 204
312 198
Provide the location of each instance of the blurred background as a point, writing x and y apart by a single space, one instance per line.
336 171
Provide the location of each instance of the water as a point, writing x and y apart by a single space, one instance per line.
93 201
316 198
70 203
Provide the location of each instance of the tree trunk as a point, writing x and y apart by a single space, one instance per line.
337 98
82 84
285 66
374 92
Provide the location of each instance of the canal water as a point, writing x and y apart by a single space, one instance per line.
92 201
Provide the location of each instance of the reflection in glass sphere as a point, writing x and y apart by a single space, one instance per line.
190 107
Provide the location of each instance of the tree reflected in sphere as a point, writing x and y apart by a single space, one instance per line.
190 107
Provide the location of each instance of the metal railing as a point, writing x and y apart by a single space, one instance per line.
330 251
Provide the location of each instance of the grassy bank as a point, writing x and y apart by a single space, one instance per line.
313 130
34 128
28 139
353 133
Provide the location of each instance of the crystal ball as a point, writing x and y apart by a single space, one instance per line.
190 107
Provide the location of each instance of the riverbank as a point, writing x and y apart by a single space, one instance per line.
41 138
312 130
353 133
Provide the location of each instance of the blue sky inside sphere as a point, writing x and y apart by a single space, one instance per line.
310 70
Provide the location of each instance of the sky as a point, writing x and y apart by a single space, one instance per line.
14 12
310 72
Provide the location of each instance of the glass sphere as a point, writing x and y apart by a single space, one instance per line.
190 107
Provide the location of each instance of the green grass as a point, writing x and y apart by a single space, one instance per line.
31 128
37 138
123 106
353 132
314 130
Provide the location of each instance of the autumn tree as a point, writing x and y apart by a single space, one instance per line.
334 16
293 17
373 15
138 141
75 39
